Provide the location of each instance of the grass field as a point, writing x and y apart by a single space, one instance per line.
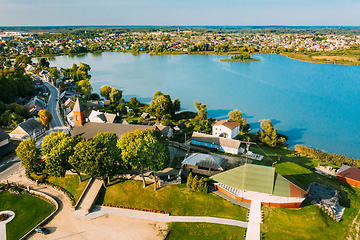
204 231
29 211
348 60
176 199
308 222
69 182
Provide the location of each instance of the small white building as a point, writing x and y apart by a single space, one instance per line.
227 128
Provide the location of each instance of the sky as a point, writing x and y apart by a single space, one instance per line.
180 13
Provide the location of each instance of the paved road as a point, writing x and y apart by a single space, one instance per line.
12 165
53 106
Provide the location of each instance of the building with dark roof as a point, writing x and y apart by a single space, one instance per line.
259 183
31 128
222 144
5 146
349 175
90 129
205 164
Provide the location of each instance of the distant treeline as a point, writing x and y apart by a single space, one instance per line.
91 31
328 157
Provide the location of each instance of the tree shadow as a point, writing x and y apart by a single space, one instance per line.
294 135
219 113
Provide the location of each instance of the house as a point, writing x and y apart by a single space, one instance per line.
227 128
180 126
37 82
222 144
103 117
92 104
5 146
205 164
251 182
69 103
37 103
165 130
31 128
349 175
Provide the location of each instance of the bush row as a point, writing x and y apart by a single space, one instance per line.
137 209
328 157
195 184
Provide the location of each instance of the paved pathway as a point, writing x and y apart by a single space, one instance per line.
99 211
88 198
253 231
64 226
11 215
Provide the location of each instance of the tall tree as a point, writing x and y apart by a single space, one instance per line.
30 156
115 95
96 157
237 116
105 92
45 117
43 63
202 110
268 134
162 107
85 87
57 160
140 149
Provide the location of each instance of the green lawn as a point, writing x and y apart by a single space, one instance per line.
29 211
308 222
204 231
69 182
176 199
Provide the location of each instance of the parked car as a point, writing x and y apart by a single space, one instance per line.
42 230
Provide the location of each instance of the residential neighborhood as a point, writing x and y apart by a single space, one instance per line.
81 164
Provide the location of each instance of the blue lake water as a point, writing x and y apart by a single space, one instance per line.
316 105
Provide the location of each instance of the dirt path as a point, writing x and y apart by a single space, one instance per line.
354 228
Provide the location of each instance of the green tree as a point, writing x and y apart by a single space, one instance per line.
45 117
96 157
54 73
195 183
134 102
30 156
43 63
162 107
140 149
189 180
115 95
105 92
85 87
57 160
200 187
202 110
237 116
268 134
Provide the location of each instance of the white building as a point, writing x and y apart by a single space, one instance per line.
228 128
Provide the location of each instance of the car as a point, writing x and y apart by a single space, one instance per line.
42 230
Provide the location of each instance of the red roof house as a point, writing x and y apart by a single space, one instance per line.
349 175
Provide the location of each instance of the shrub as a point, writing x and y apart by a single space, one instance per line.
195 183
189 180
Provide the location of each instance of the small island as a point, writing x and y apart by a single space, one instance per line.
240 58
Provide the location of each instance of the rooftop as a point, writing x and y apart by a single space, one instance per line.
259 178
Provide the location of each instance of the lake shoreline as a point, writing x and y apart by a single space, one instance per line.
239 60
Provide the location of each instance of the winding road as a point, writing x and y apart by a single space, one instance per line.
12 164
